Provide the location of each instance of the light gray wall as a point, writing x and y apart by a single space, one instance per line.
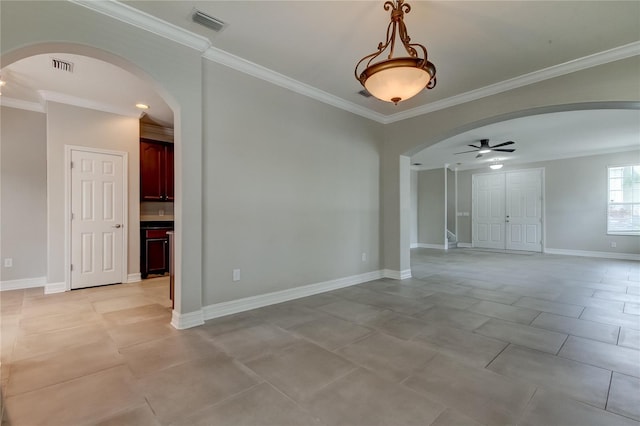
431 206
414 208
575 203
292 189
30 28
70 125
577 90
23 176
451 201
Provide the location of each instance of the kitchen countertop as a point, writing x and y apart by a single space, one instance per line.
156 218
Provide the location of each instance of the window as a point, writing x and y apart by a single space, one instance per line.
623 212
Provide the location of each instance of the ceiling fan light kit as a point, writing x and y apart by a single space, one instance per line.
400 78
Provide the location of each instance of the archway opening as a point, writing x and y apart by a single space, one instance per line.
73 91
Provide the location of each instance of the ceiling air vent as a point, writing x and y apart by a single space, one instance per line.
208 21
62 65
364 93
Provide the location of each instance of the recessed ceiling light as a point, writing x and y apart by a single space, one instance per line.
2 82
417 164
142 106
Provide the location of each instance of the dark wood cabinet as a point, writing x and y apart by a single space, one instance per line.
156 170
154 250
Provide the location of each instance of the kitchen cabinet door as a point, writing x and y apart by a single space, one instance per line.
152 179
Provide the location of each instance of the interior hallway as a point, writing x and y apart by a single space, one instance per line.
475 337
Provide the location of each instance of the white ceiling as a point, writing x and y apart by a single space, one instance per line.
474 45
539 138
92 83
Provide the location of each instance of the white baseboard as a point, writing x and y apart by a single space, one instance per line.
245 304
397 275
586 253
413 245
465 245
51 288
431 246
134 278
23 283
188 320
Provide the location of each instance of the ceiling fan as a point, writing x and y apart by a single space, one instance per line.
484 148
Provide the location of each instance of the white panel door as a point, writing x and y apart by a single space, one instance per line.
488 211
97 232
524 210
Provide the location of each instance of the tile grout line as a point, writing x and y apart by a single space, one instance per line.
608 391
497 355
562 345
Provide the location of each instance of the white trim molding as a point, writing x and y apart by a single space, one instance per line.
147 22
587 253
600 58
134 278
190 319
432 246
20 104
22 283
52 288
61 98
137 18
465 245
245 304
397 275
239 64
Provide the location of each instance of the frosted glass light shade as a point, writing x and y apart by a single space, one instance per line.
496 166
396 80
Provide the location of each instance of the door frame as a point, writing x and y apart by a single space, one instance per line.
543 203
68 149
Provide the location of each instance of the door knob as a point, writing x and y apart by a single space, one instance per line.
116 226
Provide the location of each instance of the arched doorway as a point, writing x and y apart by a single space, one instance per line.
57 236
556 132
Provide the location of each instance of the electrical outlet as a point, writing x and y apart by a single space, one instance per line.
8 262
613 244
364 257
236 275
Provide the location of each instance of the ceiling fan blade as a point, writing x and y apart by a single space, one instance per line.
503 144
504 150
464 152
476 147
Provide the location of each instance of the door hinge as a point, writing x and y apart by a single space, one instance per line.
72 267
72 216
72 164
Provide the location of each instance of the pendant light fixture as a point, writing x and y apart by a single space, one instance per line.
396 79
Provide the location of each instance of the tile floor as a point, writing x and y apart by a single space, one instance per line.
474 338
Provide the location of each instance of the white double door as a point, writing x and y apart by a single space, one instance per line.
97 218
507 210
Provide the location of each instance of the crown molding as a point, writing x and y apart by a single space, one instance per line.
239 64
20 104
61 98
601 58
147 22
